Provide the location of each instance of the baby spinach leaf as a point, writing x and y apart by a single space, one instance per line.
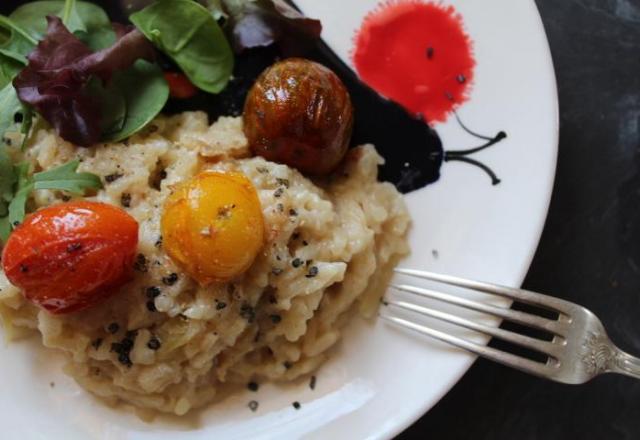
71 18
18 42
187 32
32 16
145 93
9 106
9 68
65 178
54 82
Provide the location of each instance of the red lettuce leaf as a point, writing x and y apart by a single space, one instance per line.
257 23
54 82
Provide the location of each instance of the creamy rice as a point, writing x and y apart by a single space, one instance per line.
276 322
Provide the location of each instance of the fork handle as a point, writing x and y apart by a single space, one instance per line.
624 363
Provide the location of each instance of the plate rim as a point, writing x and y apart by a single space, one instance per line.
554 118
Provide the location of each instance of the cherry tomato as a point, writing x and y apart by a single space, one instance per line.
179 85
212 226
70 256
299 113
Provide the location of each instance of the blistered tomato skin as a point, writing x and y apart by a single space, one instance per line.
71 256
212 226
299 113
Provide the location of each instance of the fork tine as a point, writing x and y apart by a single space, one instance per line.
556 327
490 353
525 296
525 341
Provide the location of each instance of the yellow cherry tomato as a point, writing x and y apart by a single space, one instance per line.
212 226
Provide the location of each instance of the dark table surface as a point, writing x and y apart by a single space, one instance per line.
590 249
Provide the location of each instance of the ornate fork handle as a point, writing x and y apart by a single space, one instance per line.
625 364
600 355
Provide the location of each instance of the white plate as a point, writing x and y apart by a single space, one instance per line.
382 379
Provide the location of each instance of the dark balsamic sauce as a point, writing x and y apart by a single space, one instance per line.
412 150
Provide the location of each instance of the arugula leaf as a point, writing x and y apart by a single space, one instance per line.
71 18
18 204
5 228
8 178
187 32
145 92
27 122
19 42
65 178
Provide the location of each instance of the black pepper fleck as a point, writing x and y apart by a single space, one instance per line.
305 243
312 383
253 405
112 177
23 268
125 200
96 343
296 405
273 299
283 182
253 386
287 365
158 242
154 343
297 262
275 318
151 306
262 170
247 312
221 305
280 207
461 79
170 279
313 271
113 328
124 359
66 198
293 212
152 292
141 264
278 192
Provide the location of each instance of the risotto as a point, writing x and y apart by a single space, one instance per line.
166 343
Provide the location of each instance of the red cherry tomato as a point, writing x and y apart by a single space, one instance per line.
179 85
70 256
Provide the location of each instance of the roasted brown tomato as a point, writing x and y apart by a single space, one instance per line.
299 113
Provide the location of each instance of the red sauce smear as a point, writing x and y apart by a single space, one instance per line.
416 54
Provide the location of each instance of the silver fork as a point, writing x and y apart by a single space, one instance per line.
580 348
